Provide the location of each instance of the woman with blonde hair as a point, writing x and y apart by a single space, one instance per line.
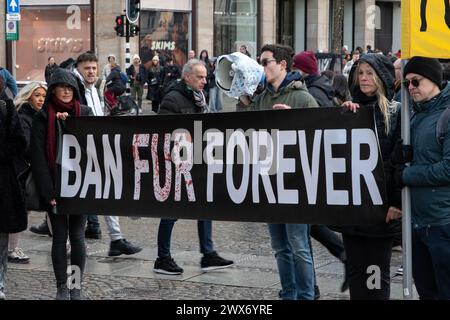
28 101
371 82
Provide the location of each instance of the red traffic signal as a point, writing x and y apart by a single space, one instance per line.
120 25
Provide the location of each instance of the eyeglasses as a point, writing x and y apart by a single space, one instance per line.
415 82
265 62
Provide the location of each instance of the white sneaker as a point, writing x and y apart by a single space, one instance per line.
17 256
2 295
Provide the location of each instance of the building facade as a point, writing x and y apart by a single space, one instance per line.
66 28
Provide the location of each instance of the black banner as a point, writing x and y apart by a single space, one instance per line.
319 165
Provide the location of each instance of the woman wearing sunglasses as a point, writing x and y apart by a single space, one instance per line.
371 82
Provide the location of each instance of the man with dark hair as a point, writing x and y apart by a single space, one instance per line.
428 177
285 90
187 96
86 72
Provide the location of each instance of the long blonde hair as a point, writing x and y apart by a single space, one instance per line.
25 93
382 101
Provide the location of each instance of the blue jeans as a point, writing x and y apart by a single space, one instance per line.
294 259
431 261
204 229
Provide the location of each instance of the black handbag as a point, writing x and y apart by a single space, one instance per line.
32 198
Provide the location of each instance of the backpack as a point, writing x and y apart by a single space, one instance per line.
442 126
123 77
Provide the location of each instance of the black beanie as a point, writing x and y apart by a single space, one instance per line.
427 67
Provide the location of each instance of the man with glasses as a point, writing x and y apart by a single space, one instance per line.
285 90
428 176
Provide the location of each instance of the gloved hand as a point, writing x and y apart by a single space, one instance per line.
401 153
398 173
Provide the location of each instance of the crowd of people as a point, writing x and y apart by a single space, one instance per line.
28 126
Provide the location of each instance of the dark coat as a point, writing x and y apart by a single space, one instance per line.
114 82
179 99
38 143
321 89
385 70
49 71
26 114
43 177
137 75
13 215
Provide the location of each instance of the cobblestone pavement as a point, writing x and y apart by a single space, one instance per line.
254 276
131 277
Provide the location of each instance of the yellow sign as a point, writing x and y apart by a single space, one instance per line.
426 28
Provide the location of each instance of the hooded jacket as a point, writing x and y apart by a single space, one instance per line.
385 70
38 143
429 173
321 89
292 92
114 82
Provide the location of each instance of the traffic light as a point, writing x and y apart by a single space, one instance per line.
120 26
134 30
132 9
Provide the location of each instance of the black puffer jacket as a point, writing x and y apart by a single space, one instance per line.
179 99
38 145
114 82
321 89
13 215
385 70
26 114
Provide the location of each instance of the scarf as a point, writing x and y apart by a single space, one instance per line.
364 100
56 105
200 100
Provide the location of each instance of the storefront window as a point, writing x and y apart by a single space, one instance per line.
165 33
61 32
235 24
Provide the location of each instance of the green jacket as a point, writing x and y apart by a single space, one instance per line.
429 173
292 92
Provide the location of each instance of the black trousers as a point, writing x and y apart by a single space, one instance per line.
64 226
364 255
329 240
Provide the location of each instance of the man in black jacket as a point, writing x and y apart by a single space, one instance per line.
187 96
318 86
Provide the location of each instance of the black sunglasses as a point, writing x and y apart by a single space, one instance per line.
265 62
414 82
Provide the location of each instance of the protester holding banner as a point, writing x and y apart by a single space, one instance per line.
62 101
428 176
187 96
290 242
28 101
13 215
372 86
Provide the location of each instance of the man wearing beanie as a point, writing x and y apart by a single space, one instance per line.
318 86
428 176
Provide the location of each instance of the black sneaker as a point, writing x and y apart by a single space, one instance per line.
41 229
212 261
91 233
167 265
122 246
